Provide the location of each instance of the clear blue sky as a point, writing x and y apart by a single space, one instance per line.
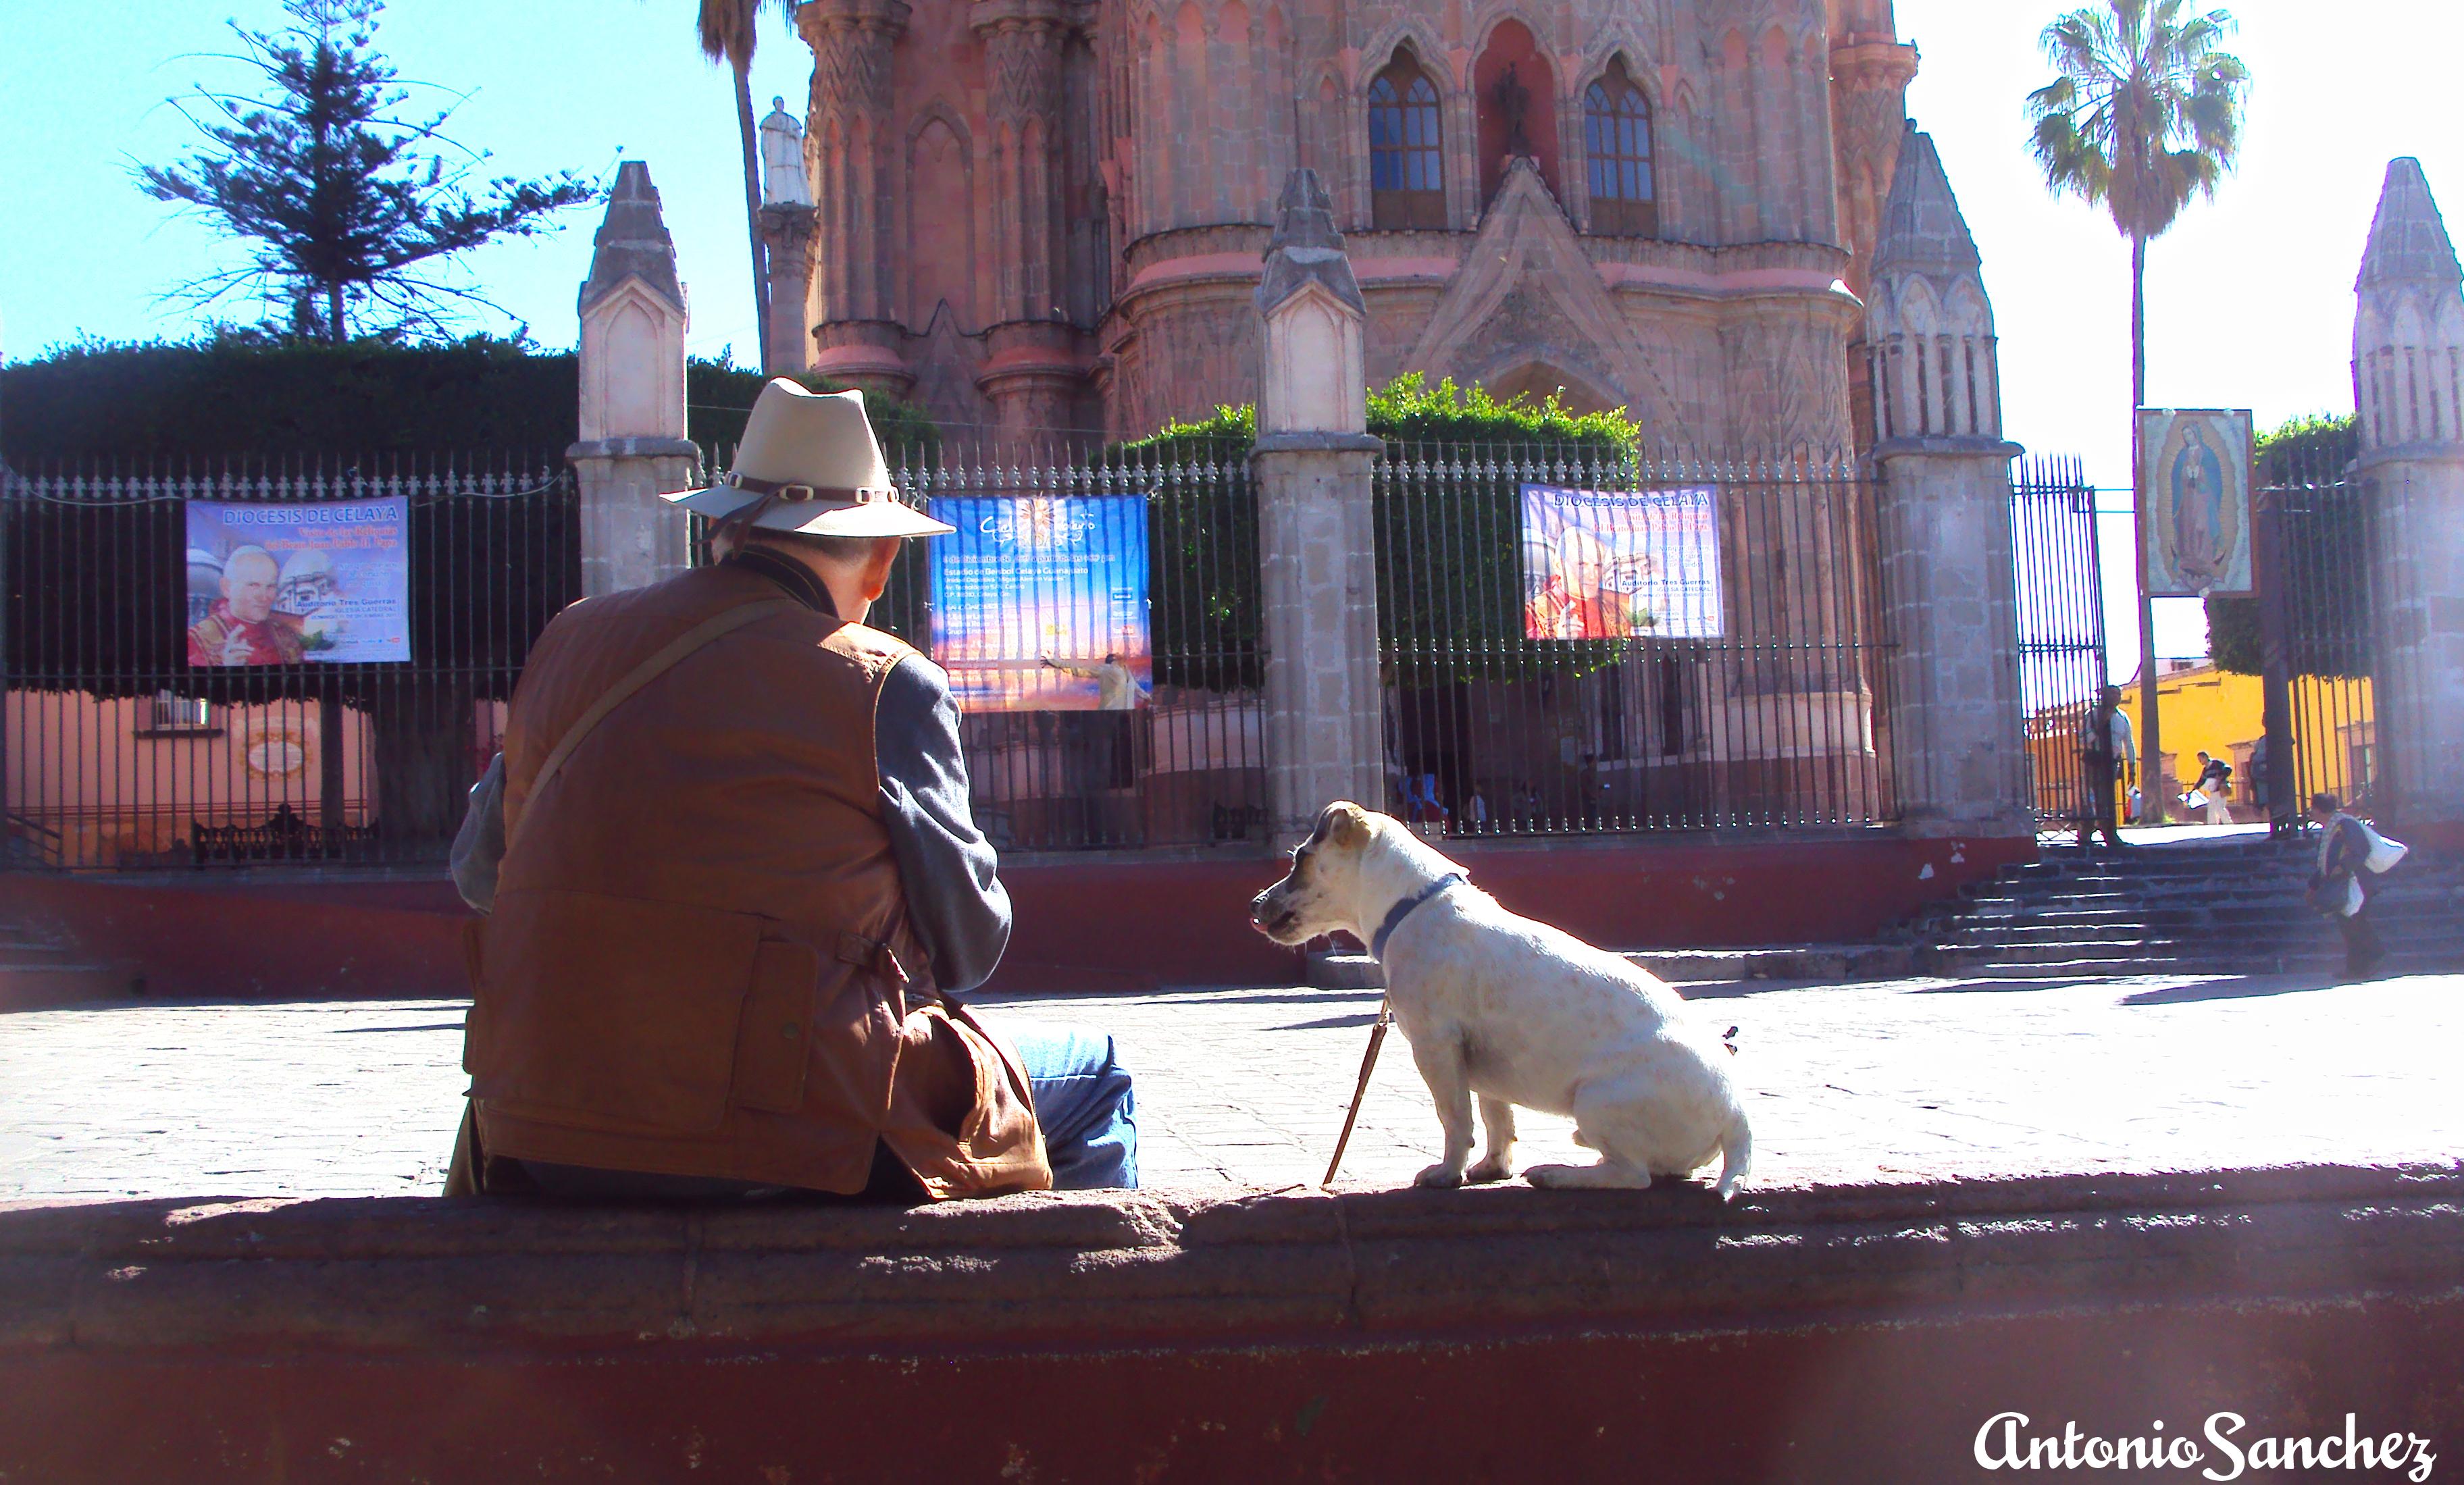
2251 301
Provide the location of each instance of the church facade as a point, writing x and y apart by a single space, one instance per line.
1048 215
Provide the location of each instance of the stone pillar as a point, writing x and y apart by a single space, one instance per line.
1317 545
632 373
1958 723
787 233
1033 371
850 138
1870 72
2409 388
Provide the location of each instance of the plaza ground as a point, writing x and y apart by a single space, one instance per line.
1881 1084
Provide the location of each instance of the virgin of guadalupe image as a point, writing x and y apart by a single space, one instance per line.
2197 481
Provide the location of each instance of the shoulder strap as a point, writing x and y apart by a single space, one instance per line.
651 669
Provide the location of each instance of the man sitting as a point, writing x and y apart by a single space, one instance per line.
731 878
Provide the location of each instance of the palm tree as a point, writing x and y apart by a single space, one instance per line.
728 32
2146 113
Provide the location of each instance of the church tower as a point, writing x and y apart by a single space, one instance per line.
1034 215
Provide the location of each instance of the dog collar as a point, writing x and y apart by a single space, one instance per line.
1404 909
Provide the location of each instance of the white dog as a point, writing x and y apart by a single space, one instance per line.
1515 1012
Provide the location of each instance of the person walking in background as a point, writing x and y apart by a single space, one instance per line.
2212 788
2106 751
2351 857
1104 751
1116 686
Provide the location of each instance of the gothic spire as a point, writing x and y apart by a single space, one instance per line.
1923 231
633 241
2409 241
1307 246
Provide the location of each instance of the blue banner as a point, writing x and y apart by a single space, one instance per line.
1040 601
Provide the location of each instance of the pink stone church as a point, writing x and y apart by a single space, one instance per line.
1048 215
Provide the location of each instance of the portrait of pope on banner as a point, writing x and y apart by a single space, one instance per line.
2197 480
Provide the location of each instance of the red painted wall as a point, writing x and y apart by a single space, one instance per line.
1098 924
1839 1404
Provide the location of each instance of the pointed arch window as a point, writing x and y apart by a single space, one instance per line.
1407 179
1616 157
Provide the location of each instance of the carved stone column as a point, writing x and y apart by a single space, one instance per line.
1033 373
850 137
2409 385
632 415
1958 722
1318 544
1870 72
788 235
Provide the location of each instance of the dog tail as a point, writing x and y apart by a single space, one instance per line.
1736 1156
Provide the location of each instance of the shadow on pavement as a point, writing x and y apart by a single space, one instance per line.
2240 987
1330 1023
1990 987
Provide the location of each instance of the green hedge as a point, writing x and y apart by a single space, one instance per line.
240 397
1459 605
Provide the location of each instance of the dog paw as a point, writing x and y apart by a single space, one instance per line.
1490 1167
1439 1174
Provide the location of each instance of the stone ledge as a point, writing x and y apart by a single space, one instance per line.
386 1275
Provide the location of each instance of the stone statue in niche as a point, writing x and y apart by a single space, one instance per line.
1513 102
783 182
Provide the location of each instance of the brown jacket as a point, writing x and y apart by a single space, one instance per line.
699 960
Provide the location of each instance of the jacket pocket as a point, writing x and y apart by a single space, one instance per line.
774 1040
616 1012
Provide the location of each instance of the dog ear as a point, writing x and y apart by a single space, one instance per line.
1349 822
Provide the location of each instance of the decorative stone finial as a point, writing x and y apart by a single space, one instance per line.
1922 230
632 242
2409 241
1929 324
1305 248
2409 330
1311 380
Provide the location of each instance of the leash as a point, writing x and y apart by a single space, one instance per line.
1395 917
1367 1066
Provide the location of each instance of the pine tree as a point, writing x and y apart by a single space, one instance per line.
351 211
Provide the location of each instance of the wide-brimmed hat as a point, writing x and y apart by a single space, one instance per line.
810 462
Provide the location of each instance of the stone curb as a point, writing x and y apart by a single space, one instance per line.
382 1275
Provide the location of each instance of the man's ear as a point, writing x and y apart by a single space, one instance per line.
1348 823
877 565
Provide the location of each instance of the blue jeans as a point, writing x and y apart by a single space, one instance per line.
1084 1101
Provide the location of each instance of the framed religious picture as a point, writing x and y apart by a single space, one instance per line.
2195 469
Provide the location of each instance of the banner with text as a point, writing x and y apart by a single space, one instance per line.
1613 564
275 585
1040 601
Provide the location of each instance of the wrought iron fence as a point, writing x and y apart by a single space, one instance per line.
1575 640
155 719
2314 611
2057 581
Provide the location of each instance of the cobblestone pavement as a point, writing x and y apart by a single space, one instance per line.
1885 1081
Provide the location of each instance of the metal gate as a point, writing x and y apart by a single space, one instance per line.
2314 614
2063 667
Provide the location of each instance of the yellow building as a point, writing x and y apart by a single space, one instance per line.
2224 713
